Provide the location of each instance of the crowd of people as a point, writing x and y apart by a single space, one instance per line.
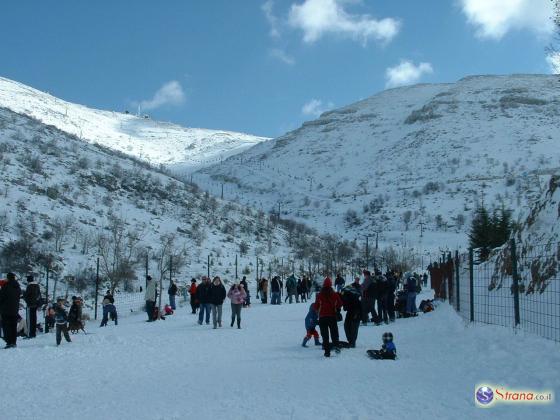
374 295
372 298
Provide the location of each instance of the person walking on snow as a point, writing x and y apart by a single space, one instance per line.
311 321
328 304
411 284
32 296
351 295
10 294
263 289
150 297
237 296
192 294
339 282
203 298
172 292
61 319
217 294
243 283
109 309
275 288
291 288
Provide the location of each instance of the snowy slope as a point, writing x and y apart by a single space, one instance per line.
153 141
426 153
179 370
62 192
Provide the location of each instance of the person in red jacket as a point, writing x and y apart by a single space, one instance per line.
192 293
328 304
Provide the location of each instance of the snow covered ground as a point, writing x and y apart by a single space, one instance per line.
176 369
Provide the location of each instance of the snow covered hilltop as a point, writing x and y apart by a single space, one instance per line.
409 159
152 141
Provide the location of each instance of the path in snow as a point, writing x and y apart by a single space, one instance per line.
176 369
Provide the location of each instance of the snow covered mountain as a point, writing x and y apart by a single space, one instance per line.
152 141
409 163
71 201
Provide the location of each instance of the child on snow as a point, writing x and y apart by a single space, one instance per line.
167 310
311 321
388 349
61 319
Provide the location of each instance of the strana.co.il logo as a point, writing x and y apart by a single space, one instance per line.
488 395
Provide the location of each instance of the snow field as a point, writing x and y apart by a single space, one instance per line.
176 369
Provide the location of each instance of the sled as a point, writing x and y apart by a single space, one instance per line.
378 355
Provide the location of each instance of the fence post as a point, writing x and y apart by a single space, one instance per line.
47 297
208 264
471 282
236 276
147 269
515 281
96 288
457 282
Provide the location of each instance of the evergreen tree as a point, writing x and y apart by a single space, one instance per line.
489 232
480 234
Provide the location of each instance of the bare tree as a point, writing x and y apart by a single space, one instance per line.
118 248
406 217
60 229
169 256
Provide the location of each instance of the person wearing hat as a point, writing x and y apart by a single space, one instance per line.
328 303
150 296
9 308
32 297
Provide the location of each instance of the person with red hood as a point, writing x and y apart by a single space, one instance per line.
328 304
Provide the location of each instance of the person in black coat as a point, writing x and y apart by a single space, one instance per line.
243 283
172 292
32 297
203 298
10 295
351 303
217 295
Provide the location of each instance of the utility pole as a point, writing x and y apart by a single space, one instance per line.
279 212
236 276
222 190
421 228
367 252
96 288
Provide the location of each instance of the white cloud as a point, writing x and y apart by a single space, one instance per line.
171 93
406 73
553 60
271 18
281 55
317 18
315 108
495 18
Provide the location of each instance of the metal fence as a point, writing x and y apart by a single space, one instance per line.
518 286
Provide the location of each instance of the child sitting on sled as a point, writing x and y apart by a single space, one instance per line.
388 349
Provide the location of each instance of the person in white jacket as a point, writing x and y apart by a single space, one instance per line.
150 297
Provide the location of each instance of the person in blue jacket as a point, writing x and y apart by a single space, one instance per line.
388 349
311 321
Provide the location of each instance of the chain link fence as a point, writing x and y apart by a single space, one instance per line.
518 287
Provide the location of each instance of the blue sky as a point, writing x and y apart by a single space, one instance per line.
261 67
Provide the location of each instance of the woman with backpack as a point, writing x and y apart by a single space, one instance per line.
328 304
237 296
